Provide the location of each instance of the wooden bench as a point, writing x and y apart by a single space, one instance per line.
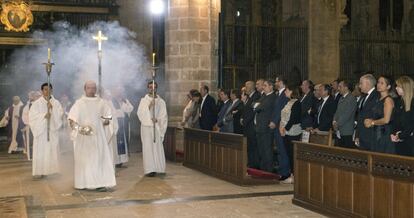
220 155
170 143
351 183
322 138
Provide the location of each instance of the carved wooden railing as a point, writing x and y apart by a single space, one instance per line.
351 183
221 155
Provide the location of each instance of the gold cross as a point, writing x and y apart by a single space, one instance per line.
100 37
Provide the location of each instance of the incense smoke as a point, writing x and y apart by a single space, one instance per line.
74 53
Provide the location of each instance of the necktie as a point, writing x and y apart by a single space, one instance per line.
320 109
363 102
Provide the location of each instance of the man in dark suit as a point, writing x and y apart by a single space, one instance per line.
247 121
343 122
224 123
236 111
335 91
259 86
208 114
326 110
280 103
307 102
364 137
264 110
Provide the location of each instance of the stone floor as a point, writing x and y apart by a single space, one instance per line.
181 193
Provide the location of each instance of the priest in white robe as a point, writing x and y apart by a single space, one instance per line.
123 109
153 152
12 119
45 152
27 133
91 121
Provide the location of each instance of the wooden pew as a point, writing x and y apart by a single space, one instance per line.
322 138
4 143
342 182
220 155
170 143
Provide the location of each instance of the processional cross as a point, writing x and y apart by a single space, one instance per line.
48 66
100 38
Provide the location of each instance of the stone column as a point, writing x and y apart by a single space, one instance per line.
325 20
191 50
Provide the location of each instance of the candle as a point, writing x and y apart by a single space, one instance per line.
99 40
48 54
153 59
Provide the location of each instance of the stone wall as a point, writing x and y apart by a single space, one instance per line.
324 31
191 50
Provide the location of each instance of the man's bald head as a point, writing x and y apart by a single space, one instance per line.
16 100
90 88
249 87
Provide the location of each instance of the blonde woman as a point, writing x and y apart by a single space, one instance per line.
404 117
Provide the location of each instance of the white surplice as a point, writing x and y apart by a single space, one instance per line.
45 153
112 139
153 152
26 130
14 145
93 155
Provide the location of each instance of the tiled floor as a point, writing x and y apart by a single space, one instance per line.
181 193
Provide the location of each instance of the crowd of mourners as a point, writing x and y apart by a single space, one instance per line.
374 115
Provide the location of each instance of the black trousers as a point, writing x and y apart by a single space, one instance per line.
345 141
265 148
288 141
405 147
253 160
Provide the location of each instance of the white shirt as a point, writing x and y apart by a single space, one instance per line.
303 98
202 102
251 94
234 102
281 91
369 93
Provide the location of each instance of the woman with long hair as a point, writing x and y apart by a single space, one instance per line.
382 117
404 117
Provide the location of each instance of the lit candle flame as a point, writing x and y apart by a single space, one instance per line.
49 56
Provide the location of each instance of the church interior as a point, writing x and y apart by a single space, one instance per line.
126 46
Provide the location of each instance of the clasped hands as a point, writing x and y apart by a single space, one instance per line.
282 130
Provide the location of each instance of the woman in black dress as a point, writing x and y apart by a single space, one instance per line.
404 117
382 118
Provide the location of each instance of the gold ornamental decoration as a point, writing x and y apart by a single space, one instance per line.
16 16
